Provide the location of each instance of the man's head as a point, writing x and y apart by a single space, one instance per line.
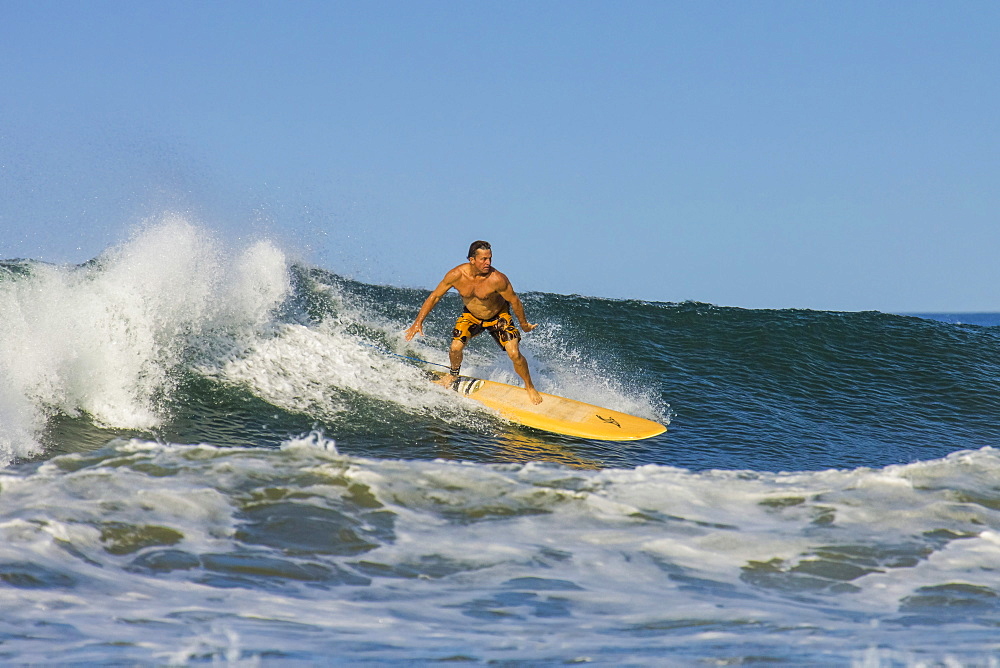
481 257
477 246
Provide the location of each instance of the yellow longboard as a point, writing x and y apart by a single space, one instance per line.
557 414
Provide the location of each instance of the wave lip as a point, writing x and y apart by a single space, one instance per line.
106 339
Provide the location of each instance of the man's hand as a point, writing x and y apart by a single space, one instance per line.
527 326
415 328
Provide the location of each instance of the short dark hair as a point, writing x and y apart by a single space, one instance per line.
478 245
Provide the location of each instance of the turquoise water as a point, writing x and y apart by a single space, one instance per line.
210 458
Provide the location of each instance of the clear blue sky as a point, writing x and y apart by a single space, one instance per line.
827 155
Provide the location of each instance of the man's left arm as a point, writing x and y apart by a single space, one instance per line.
507 292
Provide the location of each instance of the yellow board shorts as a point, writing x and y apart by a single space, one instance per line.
501 328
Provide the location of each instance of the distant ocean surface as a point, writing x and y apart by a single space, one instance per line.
209 456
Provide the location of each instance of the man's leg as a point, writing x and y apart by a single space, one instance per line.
455 354
521 367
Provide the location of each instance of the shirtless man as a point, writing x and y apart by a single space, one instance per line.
488 298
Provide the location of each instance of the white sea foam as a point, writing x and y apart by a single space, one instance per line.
105 339
529 563
571 372
310 370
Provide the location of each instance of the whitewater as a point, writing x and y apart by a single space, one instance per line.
213 454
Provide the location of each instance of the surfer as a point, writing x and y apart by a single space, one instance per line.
488 298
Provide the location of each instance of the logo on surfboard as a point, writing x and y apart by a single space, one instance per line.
609 420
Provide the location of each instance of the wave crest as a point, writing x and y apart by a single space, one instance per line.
106 338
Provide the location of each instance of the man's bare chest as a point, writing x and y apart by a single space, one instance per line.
483 290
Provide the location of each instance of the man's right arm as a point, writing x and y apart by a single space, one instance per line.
418 325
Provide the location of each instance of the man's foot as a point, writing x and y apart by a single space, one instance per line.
533 394
446 381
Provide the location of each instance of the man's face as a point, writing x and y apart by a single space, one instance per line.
482 261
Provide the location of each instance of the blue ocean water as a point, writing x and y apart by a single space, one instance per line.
208 457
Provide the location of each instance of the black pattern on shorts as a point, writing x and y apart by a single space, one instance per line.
501 328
